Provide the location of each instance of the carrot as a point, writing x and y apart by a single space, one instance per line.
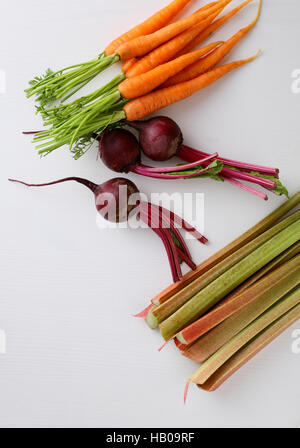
152 24
146 105
62 84
144 44
213 27
212 59
131 62
146 82
128 64
169 50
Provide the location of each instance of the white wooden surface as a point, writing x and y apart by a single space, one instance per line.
74 355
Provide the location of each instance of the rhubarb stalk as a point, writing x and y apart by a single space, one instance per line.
230 348
228 281
239 312
251 349
228 250
161 313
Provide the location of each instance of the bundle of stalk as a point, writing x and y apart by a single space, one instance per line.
238 300
149 84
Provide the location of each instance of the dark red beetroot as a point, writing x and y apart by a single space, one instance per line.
119 150
114 202
160 137
112 199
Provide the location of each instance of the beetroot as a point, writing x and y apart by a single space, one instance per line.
119 150
160 137
114 202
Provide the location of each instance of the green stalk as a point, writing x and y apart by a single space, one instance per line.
227 282
251 349
56 115
64 83
228 250
230 348
253 302
84 139
270 267
161 313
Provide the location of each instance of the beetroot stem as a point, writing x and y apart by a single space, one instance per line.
184 254
146 219
186 150
165 216
160 218
143 170
31 132
188 261
80 180
181 167
188 228
192 156
245 187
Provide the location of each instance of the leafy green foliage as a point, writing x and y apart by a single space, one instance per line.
212 171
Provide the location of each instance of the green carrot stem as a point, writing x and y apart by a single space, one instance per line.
251 349
228 250
53 86
239 312
159 314
228 281
87 134
231 347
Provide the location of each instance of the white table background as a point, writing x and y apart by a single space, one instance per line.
75 356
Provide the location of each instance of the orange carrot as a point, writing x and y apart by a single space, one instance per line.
128 64
213 27
146 82
214 58
147 104
170 49
152 24
144 44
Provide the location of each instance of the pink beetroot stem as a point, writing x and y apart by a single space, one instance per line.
246 166
192 156
144 214
182 167
245 187
143 170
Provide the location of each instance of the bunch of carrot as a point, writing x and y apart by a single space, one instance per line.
237 301
160 69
